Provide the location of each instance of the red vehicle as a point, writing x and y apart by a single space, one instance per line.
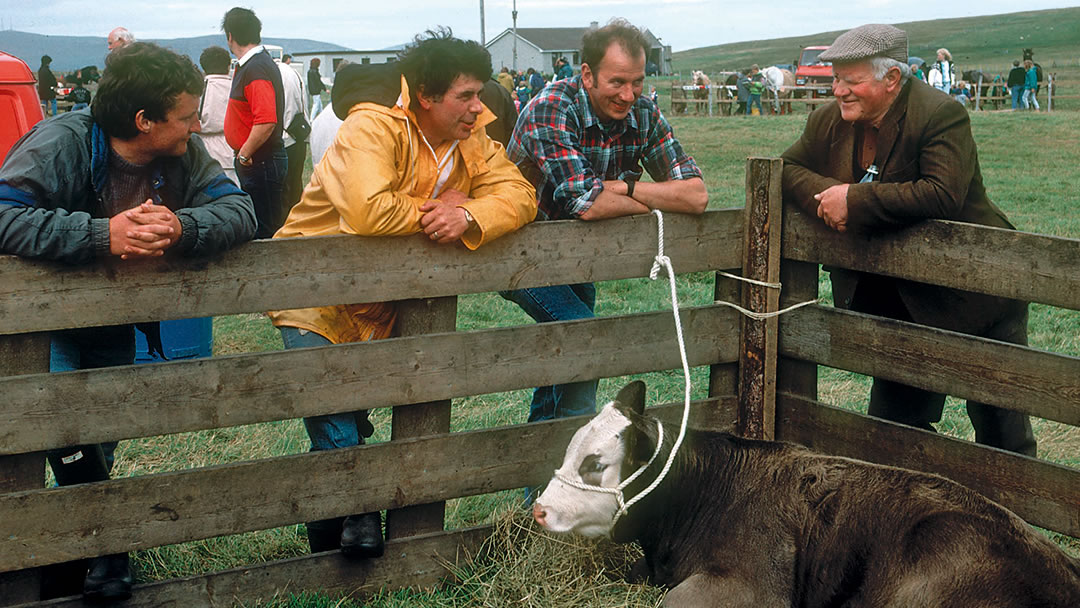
20 107
811 71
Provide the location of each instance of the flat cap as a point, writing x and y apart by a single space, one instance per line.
866 41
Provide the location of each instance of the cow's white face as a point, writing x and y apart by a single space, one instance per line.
594 457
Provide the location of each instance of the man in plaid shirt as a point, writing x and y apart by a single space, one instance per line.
583 143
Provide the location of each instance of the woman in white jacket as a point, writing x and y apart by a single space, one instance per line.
943 73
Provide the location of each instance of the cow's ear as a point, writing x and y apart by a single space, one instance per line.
633 396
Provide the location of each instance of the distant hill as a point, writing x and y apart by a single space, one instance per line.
989 42
73 52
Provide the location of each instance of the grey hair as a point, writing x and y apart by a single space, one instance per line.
126 36
882 65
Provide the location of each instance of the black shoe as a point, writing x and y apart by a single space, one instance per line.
361 536
109 579
324 534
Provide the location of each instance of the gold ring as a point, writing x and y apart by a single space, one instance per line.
435 235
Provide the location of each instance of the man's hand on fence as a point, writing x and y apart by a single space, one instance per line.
144 231
832 207
444 221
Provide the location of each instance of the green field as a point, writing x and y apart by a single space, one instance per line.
989 42
1029 163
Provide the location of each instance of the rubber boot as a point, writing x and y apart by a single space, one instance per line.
362 536
63 579
78 464
109 579
70 466
324 534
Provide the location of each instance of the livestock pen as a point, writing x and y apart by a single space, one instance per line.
763 381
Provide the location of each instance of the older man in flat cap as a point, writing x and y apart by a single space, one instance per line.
891 151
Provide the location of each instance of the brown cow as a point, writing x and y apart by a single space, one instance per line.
738 522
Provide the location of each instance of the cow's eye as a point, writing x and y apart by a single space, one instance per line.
591 466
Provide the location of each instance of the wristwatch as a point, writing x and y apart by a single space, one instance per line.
469 218
629 186
244 160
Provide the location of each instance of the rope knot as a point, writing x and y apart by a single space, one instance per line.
660 261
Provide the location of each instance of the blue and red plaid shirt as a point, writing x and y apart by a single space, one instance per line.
560 145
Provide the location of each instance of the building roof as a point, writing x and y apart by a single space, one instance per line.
553 38
558 38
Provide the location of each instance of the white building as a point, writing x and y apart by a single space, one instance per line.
329 60
540 47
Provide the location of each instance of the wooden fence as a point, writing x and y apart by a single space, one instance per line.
722 99
1050 95
763 381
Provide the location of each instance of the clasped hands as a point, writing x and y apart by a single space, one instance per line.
833 207
444 219
144 231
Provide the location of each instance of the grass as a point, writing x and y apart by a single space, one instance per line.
1028 163
987 42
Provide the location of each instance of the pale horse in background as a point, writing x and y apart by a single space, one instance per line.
779 82
701 80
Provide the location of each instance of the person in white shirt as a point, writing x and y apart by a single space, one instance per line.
215 99
295 150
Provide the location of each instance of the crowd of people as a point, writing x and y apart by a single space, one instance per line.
1023 81
407 148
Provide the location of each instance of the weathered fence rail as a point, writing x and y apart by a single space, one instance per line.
763 381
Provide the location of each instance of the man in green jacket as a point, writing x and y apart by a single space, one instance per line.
889 152
122 179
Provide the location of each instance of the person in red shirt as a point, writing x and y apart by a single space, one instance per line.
253 120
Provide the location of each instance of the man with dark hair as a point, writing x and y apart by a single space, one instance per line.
412 156
581 143
889 152
46 87
315 86
127 180
1016 83
536 83
563 69
294 137
254 122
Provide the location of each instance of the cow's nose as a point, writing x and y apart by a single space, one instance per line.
539 514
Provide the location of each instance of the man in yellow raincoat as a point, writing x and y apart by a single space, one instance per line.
412 156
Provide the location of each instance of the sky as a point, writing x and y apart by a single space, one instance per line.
370 25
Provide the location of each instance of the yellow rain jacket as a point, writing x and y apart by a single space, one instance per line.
372 182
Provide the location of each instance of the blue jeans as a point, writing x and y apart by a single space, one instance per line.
332 430
754 99
1017 92
264 181
559 303
89 348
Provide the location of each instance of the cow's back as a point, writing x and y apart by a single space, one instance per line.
883 536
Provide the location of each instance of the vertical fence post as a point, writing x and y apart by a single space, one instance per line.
800 281
417 317
22 354
761 262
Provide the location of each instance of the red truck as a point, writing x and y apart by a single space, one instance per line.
20 107
811 71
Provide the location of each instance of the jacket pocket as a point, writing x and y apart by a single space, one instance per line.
906 173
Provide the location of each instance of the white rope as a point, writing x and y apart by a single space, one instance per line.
662 261
751 281
759 316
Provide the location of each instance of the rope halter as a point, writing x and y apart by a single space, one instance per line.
617 491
